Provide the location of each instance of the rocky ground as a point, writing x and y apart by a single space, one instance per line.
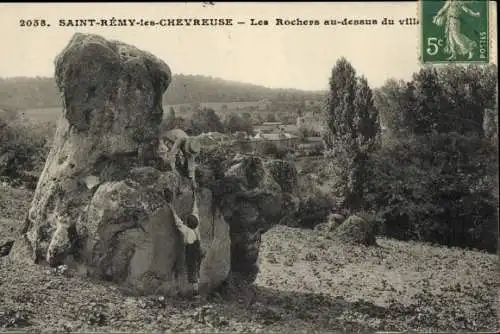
307 282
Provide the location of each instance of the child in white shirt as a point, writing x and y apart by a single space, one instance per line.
190 230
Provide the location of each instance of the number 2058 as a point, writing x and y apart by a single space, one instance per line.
33 23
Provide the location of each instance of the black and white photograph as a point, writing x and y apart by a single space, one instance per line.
249 167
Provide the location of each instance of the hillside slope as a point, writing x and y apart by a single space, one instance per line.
307 282
41 92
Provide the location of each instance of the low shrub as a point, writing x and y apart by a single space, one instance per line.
316 201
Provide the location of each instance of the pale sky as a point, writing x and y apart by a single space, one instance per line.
273 56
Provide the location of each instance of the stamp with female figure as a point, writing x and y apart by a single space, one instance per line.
455 31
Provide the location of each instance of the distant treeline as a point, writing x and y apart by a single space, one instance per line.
41 92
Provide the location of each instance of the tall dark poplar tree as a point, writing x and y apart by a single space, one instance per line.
351 131
339 113
366 118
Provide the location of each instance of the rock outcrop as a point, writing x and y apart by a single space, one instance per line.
100 201
253 201
356 230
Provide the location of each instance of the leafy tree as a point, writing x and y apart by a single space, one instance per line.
301 108
446 99
247 117
490 125
441 183
234 123
487 79
439 188
469 91
431 107
204 120
391 103
271 117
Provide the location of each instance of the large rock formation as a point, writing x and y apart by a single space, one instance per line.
253 199
100 202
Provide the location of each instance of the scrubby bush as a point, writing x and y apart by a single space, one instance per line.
316 201
308 130
270 149
284 173
217 158
24 145
314 209
234 123
438 188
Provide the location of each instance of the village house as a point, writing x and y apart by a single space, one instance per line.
269 127
281 138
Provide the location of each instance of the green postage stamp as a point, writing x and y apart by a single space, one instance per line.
454 31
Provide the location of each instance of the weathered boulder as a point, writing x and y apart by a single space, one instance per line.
254 198
253 201
356 230
99 202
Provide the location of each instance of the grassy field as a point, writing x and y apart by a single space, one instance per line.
42 114
307 283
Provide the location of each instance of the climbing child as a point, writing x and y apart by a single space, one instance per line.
176 140
190 230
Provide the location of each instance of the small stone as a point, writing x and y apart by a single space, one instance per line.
91 181
62 269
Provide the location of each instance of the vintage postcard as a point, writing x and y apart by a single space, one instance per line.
249 167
